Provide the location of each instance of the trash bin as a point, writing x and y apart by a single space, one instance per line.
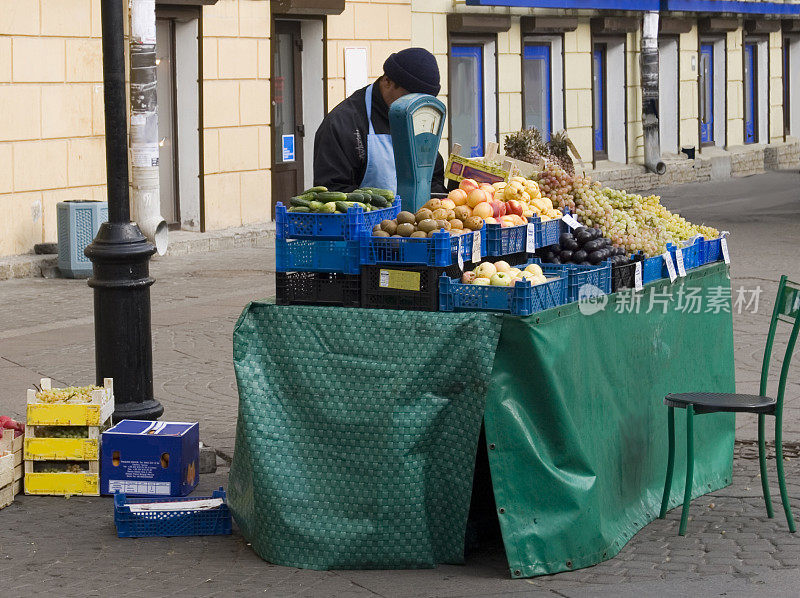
78 223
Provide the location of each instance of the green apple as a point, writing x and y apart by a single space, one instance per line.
515 272
481 281
502 266
485 270
534 269
501 279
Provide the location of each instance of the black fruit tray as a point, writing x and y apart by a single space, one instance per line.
414 288
318 288
623 277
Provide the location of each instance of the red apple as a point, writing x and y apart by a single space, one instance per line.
498 208
468 185
514 207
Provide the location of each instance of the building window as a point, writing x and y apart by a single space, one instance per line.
537 88
473 98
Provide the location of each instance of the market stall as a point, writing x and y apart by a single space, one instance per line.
358 428
552 311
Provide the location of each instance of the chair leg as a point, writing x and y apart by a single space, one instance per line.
670 462
781 478
762 458
687 493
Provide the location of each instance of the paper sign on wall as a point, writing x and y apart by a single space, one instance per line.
288 148
356 71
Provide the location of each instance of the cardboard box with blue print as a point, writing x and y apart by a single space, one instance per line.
150 458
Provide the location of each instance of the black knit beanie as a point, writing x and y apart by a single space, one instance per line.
414 69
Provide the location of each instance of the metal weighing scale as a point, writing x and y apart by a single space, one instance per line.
416 121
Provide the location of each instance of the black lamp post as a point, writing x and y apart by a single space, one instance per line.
120 253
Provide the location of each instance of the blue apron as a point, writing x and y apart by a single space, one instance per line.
380 171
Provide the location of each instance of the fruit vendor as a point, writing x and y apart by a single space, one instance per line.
353 145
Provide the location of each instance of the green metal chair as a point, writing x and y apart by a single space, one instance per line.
787 309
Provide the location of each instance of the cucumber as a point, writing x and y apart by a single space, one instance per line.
316 206
379 201
343 206
327 196
329 208
355 196
315 190
301 209
382 192
299 202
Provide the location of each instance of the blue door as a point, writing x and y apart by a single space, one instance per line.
749 93
537 93
706 93
787 95
599 98
466 97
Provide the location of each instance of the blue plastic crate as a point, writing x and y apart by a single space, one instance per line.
691 255
710 250
578 276
505 240
188 522
521 299
547 232
653 268
440 250
332 227
303 255
78 223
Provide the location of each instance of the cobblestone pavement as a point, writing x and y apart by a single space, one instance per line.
51 545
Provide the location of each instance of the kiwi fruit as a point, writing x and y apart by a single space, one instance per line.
405 229
433 232
473 223
406 218
423 214
389 226
462 212
419 234
444 224
427 225
433 204
440 214
376 228
380 233
451 214
456 223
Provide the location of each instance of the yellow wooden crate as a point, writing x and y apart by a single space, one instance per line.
63 483
58 449
60 414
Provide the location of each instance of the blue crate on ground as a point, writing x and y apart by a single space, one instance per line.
332 227
578 276
653 268
519 300
505 240
131 523
691 255
710 250
440 250
303 255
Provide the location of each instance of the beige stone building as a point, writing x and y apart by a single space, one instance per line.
243 85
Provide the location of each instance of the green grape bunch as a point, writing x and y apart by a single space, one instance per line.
71 394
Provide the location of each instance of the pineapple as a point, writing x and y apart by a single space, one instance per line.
526 145
559 151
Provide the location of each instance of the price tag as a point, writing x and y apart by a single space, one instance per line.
723 243
637 277
460 254
570 220
476 246
679 260
530 240
670 266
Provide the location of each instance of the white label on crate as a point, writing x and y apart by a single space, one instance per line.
679 259
723 243
383 280
570 221
179 505
476 247
140 487
460 255
637 277
670 266
530 240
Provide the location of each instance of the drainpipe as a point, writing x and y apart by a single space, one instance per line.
649 68
144 125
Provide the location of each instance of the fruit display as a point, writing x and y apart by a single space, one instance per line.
60 431
501 274
488 203
583 246
319 200
71 394
435 215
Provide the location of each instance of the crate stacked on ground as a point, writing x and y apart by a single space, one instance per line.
403 258
62 438
11 445
317 244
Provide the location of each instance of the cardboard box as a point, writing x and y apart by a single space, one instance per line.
146 458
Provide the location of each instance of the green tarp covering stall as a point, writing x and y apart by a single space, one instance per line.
358 428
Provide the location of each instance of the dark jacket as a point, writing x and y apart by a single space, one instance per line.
340 145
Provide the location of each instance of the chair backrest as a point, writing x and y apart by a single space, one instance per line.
786 309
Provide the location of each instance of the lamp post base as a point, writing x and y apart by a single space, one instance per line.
120 257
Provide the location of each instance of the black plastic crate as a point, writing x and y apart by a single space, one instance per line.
513 259
414 288
623 277
318 288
